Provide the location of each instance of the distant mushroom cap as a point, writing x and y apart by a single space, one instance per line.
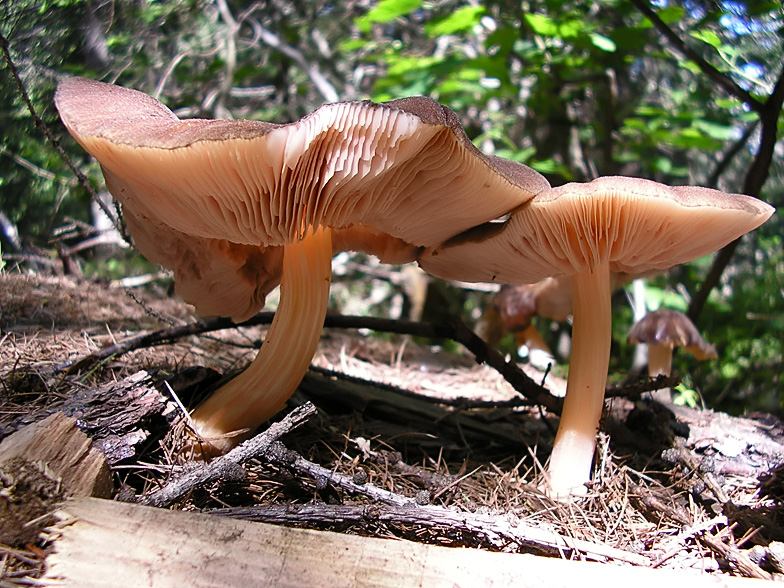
672 328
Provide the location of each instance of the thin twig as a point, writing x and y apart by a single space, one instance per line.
734 555
228 466
284 457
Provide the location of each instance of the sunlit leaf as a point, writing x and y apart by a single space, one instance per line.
714 130
541 24
386 11
603 43
462 19
707 36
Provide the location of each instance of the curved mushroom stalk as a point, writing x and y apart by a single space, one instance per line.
573 450
229 416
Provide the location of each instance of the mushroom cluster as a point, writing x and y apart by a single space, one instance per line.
233 206
236 207
587 231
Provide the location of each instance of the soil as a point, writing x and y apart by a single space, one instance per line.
673 487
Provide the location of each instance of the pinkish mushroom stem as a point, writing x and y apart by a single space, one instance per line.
659 359
230 414
573 450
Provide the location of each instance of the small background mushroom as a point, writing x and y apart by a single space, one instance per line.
663 330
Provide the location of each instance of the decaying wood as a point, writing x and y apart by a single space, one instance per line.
737 445
96 542
65 451
116 415
39 466
228 467
735 557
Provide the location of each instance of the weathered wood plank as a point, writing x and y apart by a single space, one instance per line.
101 544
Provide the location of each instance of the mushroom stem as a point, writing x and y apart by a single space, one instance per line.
228 416
660 363
573 450
659 359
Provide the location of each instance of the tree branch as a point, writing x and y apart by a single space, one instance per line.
325 88
498 531
755 179
709 70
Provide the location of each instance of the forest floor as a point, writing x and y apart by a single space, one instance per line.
399 418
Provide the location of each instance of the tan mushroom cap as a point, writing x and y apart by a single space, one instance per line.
405 168
636 225
671 328
221 278
216 276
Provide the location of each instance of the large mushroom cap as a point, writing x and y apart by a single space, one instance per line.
589 231
405 168
636 225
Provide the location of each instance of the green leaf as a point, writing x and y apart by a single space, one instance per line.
462 19
541 24
405 64
709 37
386 11
603 43
351 45
714 130
671 14
685 396
656 297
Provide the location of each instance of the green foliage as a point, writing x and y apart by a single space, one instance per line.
386 11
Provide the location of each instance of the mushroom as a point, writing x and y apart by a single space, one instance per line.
587 231
513 308
404 169
663 330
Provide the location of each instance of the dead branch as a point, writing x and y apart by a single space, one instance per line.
456 331
734 556
499 531
280 455
228 466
